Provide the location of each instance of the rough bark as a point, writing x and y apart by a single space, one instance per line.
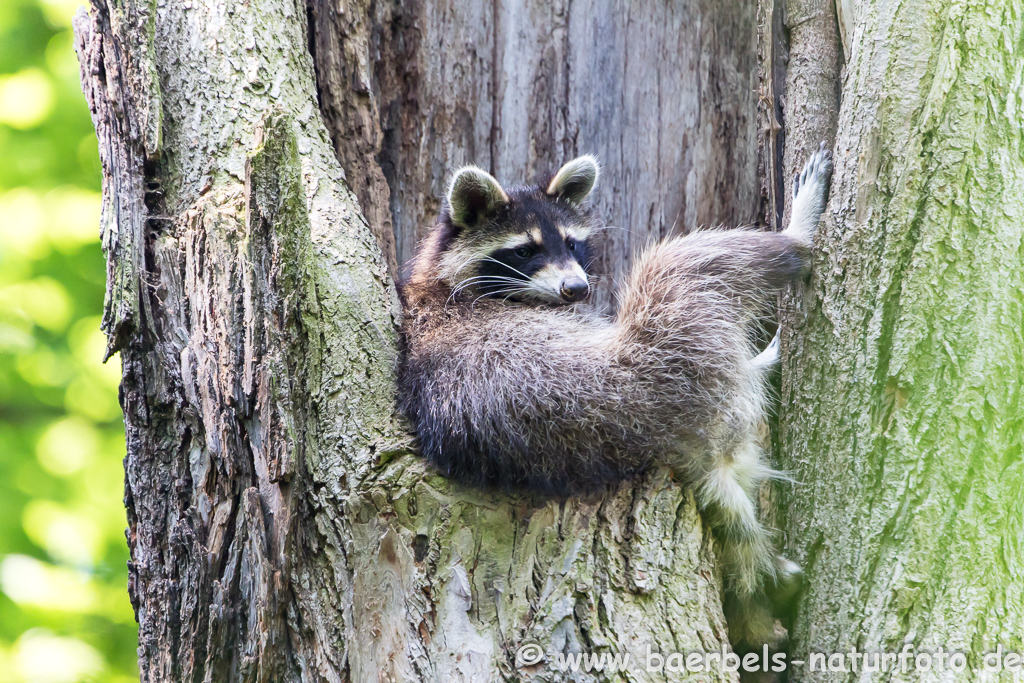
280 527
255 320
901 396
772 59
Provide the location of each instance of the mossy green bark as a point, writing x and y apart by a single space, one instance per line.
901 407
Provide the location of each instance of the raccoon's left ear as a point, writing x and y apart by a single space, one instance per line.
474 197
575 180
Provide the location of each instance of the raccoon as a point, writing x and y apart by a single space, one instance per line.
509 384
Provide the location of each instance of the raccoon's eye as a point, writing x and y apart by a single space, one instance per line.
570 243
524 252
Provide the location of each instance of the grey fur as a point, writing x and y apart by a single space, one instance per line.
556 399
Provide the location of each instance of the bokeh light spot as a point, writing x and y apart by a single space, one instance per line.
68 536
59 13
42 367
74 217
23 223
41 657
42 300
26 99
67 446
87 396
28 581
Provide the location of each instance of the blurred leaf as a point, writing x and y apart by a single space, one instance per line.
64 609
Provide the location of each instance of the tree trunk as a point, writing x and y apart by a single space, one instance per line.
281 528
901 395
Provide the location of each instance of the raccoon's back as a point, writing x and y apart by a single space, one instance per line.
520 397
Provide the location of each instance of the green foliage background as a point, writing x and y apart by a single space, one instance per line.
64 609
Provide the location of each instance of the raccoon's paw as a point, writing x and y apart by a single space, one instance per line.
810 191
751 622
770 356
816 172
786 585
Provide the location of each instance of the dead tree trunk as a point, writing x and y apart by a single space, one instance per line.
280 527
901 397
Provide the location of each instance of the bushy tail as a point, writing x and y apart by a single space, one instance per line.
726 493
688 308
759 583
685 312
746 267
730 274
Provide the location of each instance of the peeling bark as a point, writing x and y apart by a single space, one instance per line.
280 527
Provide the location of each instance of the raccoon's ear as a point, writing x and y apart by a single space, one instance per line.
575 180
474 196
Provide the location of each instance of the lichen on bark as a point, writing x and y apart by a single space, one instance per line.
902 391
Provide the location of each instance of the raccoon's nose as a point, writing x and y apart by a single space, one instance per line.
574 289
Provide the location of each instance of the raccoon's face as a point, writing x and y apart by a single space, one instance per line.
527 244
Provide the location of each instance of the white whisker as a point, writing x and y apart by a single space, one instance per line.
484 280
502 291
491 258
